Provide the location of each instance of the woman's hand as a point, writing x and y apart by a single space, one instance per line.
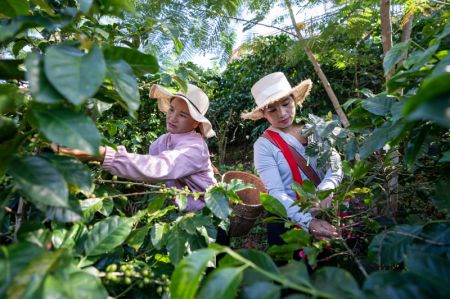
79 154
322 230
324 204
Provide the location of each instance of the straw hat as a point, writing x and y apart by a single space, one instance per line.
272 88
196 100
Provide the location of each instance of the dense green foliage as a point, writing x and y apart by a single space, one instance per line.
69 230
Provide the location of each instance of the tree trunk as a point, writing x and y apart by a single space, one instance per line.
406 35
386 28
320 73
390 209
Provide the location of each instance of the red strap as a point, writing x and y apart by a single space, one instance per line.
288 155
301 161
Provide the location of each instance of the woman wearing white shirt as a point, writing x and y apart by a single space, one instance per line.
276 101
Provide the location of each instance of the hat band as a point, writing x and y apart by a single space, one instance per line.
185 97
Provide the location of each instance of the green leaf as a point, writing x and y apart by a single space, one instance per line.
217 201
44 6
9 69
13 8
260 259
157 202
238 185
66 238
66 215
22 23
399 285
416 146
390 246
272 205
379 105
336 282
40 87
90 206
296 236
445 157
85 5
442 68
351 148
379 137
431 90
8 128
10 99
157 234
106 235
261 290
176 245
7 150
137 236
77 284
125 83
436 111
118 6
296 272
442 197
430 267
309 187
39 181
13 259
181 201
186 278
33 274
140 63
394 56
76 174
76 75
422 57
69 128
223 283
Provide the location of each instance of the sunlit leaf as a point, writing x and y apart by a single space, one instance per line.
223 283
40 87
176 245
378 105
106 235
76 75
12 8
189 272
272 205
69 128
395 54
39 181
13 259
140 63
125 83
217 201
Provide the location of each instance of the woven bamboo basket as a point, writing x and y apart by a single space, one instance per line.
250 208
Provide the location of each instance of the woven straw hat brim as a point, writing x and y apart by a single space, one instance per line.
163 97
299 93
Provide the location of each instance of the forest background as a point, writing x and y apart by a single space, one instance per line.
78 73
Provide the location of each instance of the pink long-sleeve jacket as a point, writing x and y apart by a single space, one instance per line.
179 159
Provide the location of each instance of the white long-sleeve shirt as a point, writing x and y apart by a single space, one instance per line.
276 175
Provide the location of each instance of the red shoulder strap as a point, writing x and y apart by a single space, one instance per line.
299 159
276 138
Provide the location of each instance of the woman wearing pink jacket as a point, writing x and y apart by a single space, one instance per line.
179 157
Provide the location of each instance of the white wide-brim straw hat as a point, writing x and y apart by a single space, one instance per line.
272 88
196 100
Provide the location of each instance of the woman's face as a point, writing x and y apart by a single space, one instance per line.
178 118
280 114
